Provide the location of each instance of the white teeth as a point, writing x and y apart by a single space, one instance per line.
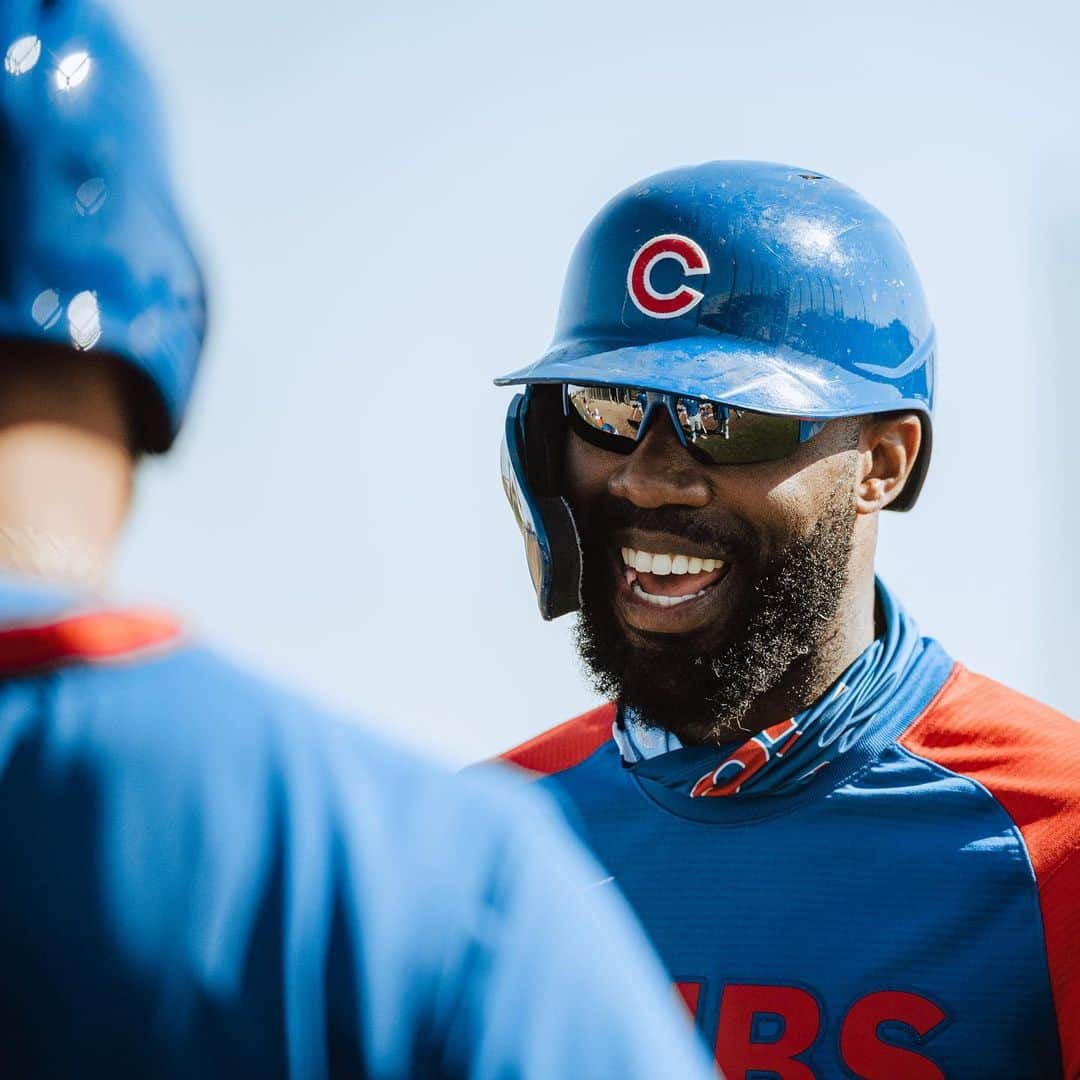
647 562
664 601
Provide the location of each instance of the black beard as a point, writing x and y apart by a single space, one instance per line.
704 693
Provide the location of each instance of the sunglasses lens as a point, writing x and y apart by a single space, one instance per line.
611 417
730 436
606 413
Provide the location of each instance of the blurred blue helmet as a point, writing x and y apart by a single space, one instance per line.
93 255
761 286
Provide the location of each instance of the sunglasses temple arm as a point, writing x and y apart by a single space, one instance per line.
809 428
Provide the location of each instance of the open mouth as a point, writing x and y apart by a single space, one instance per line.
669 579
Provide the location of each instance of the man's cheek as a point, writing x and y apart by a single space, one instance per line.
584 478
795 501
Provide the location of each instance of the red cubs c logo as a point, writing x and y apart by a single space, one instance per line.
658 305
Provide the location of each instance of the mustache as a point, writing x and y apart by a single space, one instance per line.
608 513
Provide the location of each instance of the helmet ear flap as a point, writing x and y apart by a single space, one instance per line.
532 476
544 437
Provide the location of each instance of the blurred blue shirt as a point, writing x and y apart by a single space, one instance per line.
205 876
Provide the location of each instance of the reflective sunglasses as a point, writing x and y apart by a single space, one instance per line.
614 418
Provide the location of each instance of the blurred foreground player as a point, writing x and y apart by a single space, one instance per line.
202 876
856 857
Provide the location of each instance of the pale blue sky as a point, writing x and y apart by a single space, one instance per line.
386 196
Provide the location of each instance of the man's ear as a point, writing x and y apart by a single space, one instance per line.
888 447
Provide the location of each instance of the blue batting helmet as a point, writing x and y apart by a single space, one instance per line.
761 286
93 255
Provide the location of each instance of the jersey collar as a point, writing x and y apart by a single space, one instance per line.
44 626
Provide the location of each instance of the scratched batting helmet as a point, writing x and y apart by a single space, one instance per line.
93 256
759 286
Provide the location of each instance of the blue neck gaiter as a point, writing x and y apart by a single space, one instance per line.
782 758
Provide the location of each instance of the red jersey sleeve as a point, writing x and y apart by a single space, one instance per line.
1027 756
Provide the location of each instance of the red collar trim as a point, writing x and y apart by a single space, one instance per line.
94 637
567 745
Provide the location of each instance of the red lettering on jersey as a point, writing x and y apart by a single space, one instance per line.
736 1051
689 995
871 1059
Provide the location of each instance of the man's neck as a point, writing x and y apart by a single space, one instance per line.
63 496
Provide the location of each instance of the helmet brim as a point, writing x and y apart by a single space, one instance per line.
736 371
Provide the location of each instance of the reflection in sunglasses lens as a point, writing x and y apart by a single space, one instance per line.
715 432
612 410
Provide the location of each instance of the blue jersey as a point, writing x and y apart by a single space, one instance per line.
204 876
887 885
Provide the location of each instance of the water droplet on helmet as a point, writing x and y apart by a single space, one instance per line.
46 308
73 70
22 55
84 320
90 197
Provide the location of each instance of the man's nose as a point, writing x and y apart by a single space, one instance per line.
660 470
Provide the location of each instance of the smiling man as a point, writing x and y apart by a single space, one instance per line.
855 856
